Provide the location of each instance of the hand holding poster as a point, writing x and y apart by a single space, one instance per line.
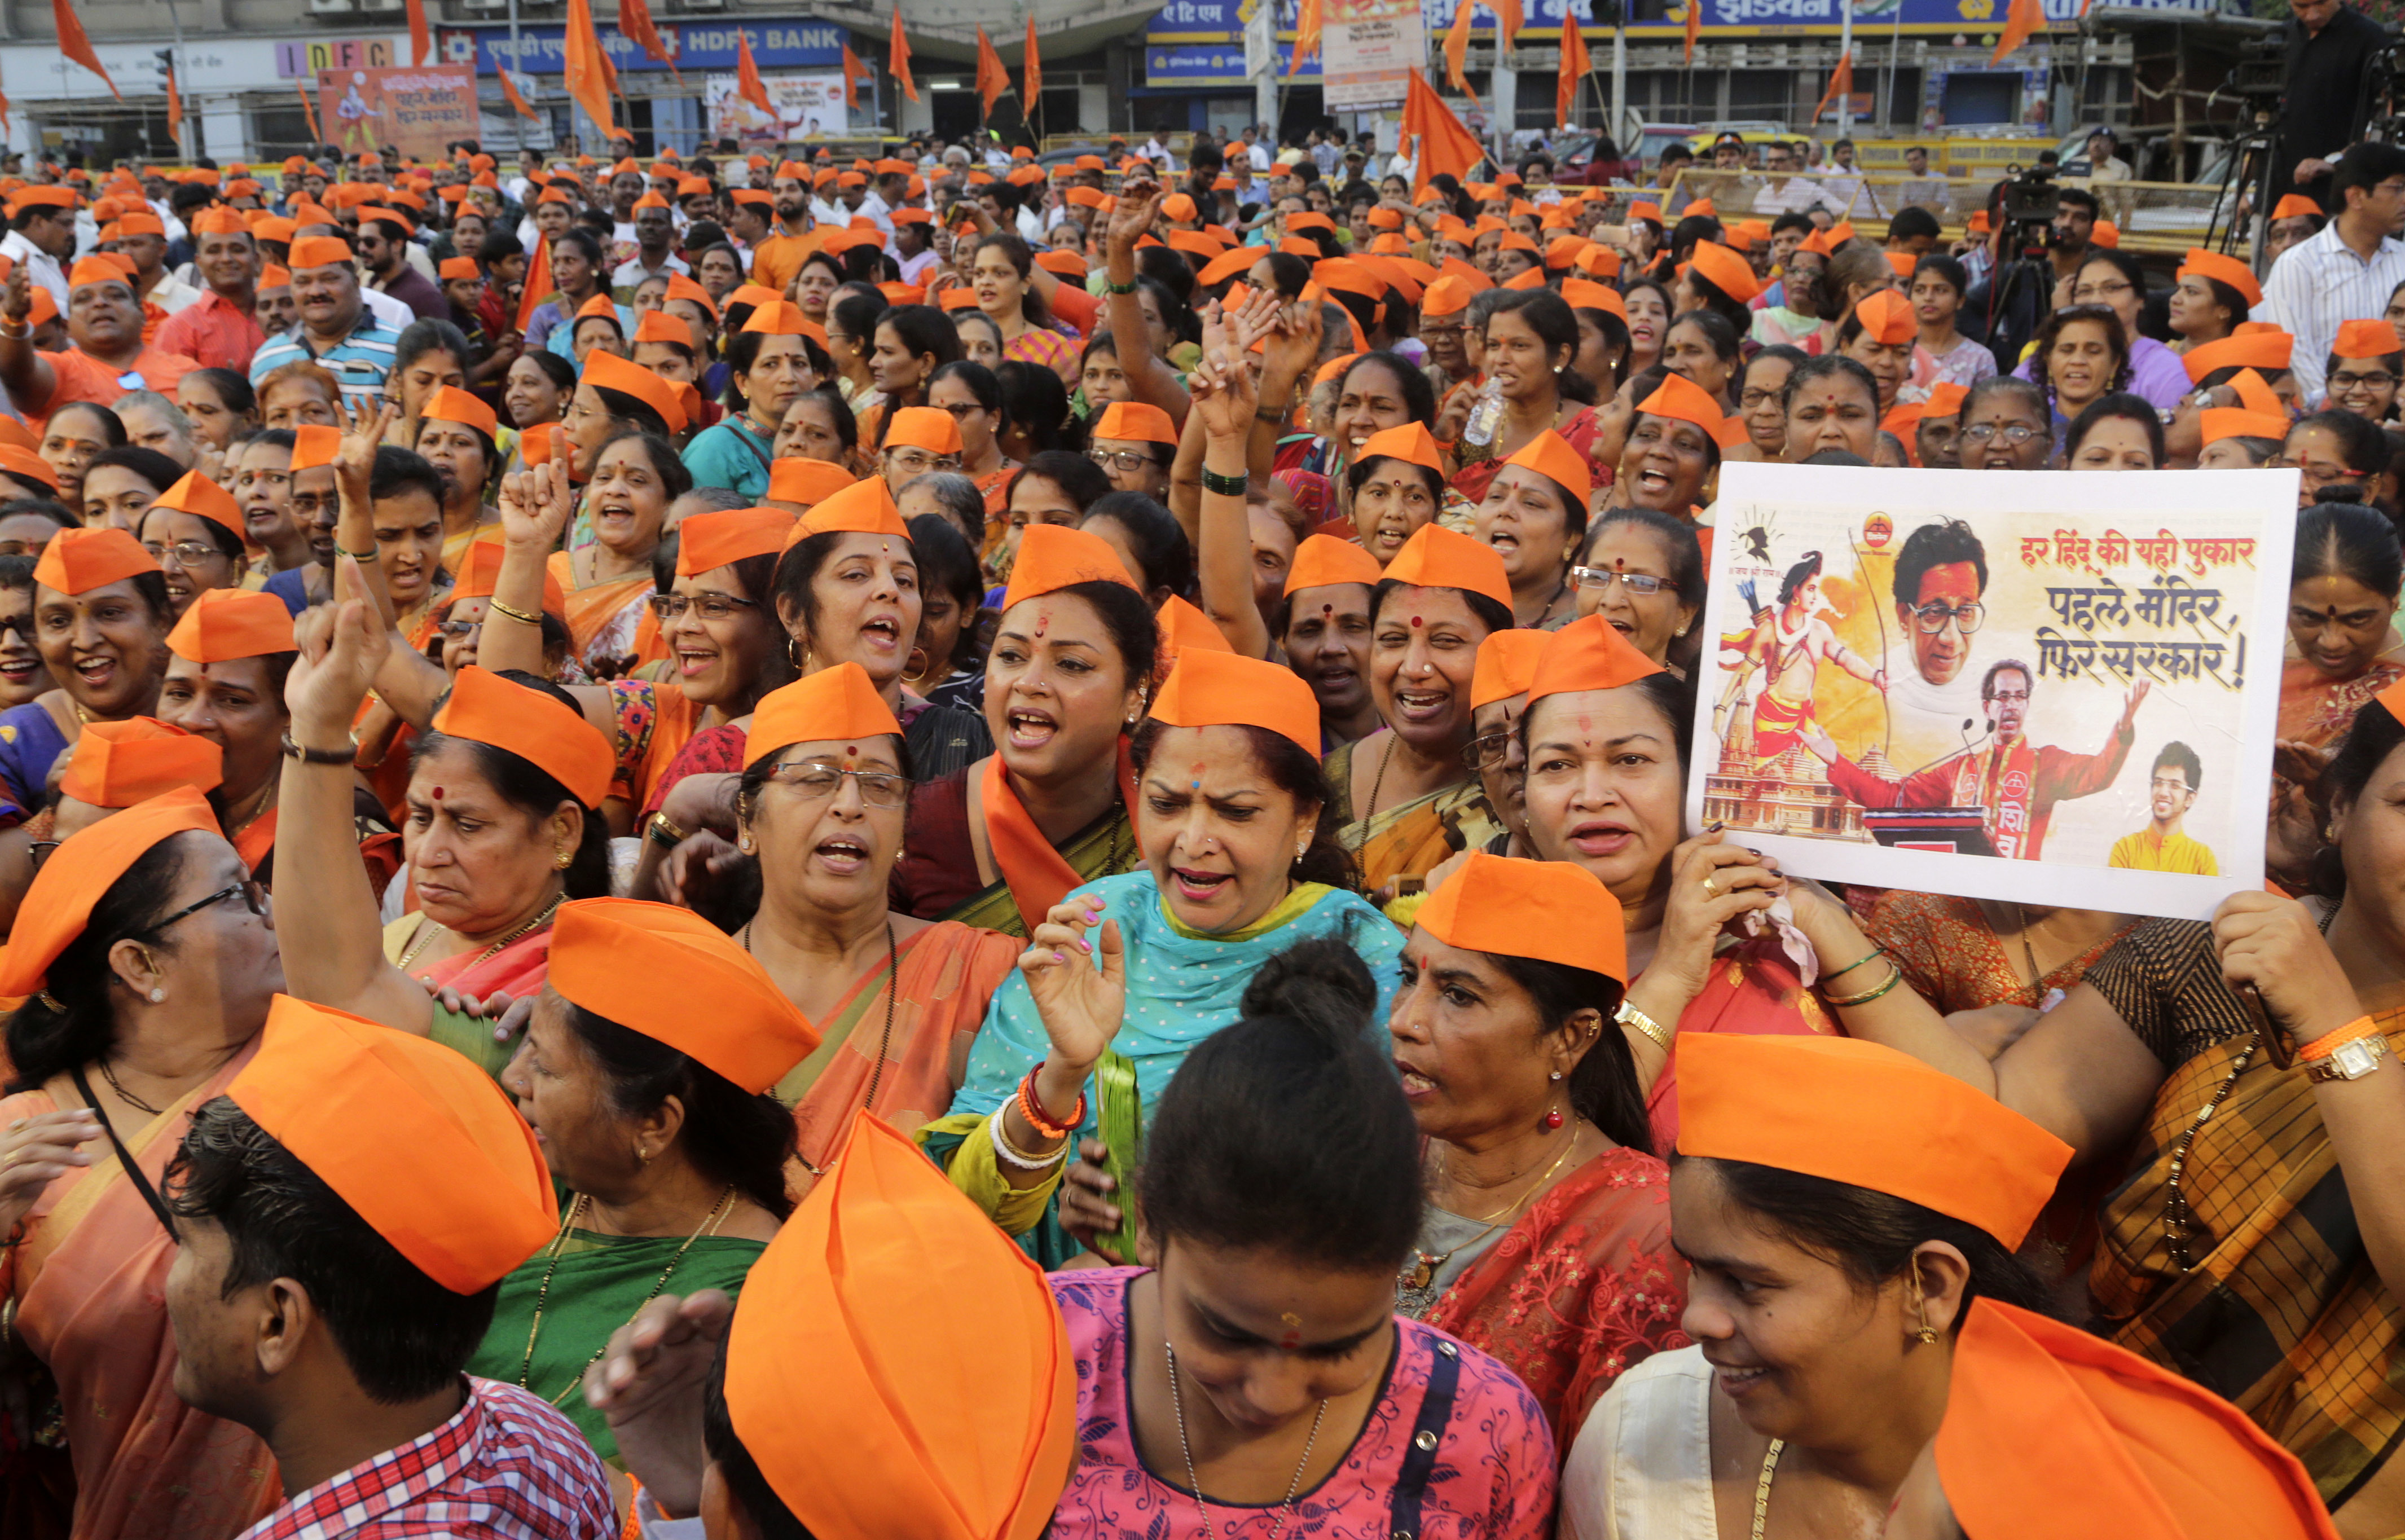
2001 684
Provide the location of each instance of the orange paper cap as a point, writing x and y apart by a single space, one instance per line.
682 288
225 624
480 570
1549 455
1588 654
884 1294
23 463
451 404
2104 234
455 268
1229 264
807 482
2294 205
2265 350
2224 269
202 497
1448 296
862 508
2051 1431
1729 273
2366 339
77 561
598 308
1944 400
927 428
1410 441
1215 689
1682 399
782 318
836 705
708 542
346 1095
1551 911
1136 422
1323 561
607 372
1887 316
119 764
1436 557
1904 263
1587 294
658 326
2217 423
2255 392
643 965
1182 626
96 269
1533 278
1902 421
484 707
314 444
318 251
80 873
1853 1111
1053 556
1507 666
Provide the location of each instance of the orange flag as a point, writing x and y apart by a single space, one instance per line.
1030 70
748 84
1306 36
1841 83
897 57
537 280
584 69
2020 21
1444 143
76 46
1694 26
992 81
311 108
4 113
174 108
1457 50
509 90
855 71
635 22
421 37
1574 70
1507 23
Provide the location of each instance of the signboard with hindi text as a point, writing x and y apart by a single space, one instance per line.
808 106
416 111
1368 48
2014 685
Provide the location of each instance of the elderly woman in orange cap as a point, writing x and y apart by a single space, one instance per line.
1134 442
1671 452
104 319
1322 630
1543 1184
768 360
1840 1207
1404 794
146 963
195 532
1530 356
1124 975
1393 488
1534 516
462 439
917 440
100 618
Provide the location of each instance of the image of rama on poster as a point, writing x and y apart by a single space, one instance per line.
1949 699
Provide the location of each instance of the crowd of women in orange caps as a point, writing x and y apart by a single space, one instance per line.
935 888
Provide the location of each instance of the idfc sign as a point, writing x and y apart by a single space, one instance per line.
704 46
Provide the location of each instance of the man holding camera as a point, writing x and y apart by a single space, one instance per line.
2330 46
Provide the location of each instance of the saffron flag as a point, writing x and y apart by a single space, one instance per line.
1030 70
538 281
855 71
1507 25
311 108
897 57
1444 144
4 113
1306 36
992 81
1457 50
635 22
1575 69
174 108
1841 83
421 37
2020 21
1694 26
76 46
509 90
748 84
584 69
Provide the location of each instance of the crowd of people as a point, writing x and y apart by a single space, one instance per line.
946 846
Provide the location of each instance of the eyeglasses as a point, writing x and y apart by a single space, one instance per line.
709 607
918 461
2170 783
187 553
254 898
1759 397
815 781
2376 380
1600 578
962 409
2098 293
1933 618
459 628
2012 433
1125 459
1489 751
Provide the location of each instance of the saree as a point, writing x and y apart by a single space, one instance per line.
1754 990
605 619
1581 1288
936 874
1951 958
1580 432
597 1284
89 1285
1412 840
517 969
906 1074
653 723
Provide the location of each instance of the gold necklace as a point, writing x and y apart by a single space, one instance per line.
540 919
1424 1267
708 1226
1761 1487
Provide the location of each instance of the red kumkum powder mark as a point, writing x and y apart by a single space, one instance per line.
1415 623
438 793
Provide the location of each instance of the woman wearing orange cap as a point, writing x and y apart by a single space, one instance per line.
1534 515
1405 795
149 964
635 477
2212 295
1000 275
462 439
769 368
1840 1206
100 618
1393 488
1541 1183
1671 452
2366 360
1643 572
195 532
1531 344
1880 333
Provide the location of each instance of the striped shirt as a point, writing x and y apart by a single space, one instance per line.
2319 283
358 362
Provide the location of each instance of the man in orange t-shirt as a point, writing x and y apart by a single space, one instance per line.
777 260
108 358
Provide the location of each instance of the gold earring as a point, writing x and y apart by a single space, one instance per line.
1927 1333
642 1156
561 859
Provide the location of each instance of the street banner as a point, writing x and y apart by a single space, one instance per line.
416 111
804 106
2046 687
1368 48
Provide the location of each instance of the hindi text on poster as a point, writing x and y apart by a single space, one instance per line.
1369 48
416 111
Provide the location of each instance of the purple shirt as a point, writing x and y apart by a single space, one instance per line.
2156 373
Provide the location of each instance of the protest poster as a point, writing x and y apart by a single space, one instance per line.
2046 687
808 106
1368 48
414 111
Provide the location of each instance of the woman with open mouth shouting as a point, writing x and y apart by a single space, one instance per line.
1531 354
1405 796
1840 1206
1240 863
101 617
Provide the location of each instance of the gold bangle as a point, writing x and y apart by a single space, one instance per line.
1894 977
498 607
661 830
1629 1015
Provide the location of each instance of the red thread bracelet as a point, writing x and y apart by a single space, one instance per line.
1032 1110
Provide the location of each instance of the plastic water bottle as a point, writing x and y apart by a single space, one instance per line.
1486 416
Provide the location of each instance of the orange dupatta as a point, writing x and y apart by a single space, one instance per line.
1037 874
89 1283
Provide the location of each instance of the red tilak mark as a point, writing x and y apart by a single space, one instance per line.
1415 621
1329 611
438 793
850 750
1291 1341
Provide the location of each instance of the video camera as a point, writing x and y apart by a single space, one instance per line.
2260 74
2030 203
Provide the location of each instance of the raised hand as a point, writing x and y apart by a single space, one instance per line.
355 461
339 656
536 503
1223 393
1133 215
36 1152
1082 1006
17 299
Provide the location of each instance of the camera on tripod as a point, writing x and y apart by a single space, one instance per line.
2030 203
2261 76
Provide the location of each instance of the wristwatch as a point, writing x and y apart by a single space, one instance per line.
2350 1060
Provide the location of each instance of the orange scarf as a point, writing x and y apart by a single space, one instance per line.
1036 873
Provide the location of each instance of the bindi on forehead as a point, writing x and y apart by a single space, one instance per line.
1415 623
438 793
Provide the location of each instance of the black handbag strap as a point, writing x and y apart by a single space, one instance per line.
125 1157
1427 1438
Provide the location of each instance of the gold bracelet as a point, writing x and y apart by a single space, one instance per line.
1894 977
662 831
1629 1015
498 607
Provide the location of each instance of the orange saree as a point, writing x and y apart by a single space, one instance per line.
606 619
88 1284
